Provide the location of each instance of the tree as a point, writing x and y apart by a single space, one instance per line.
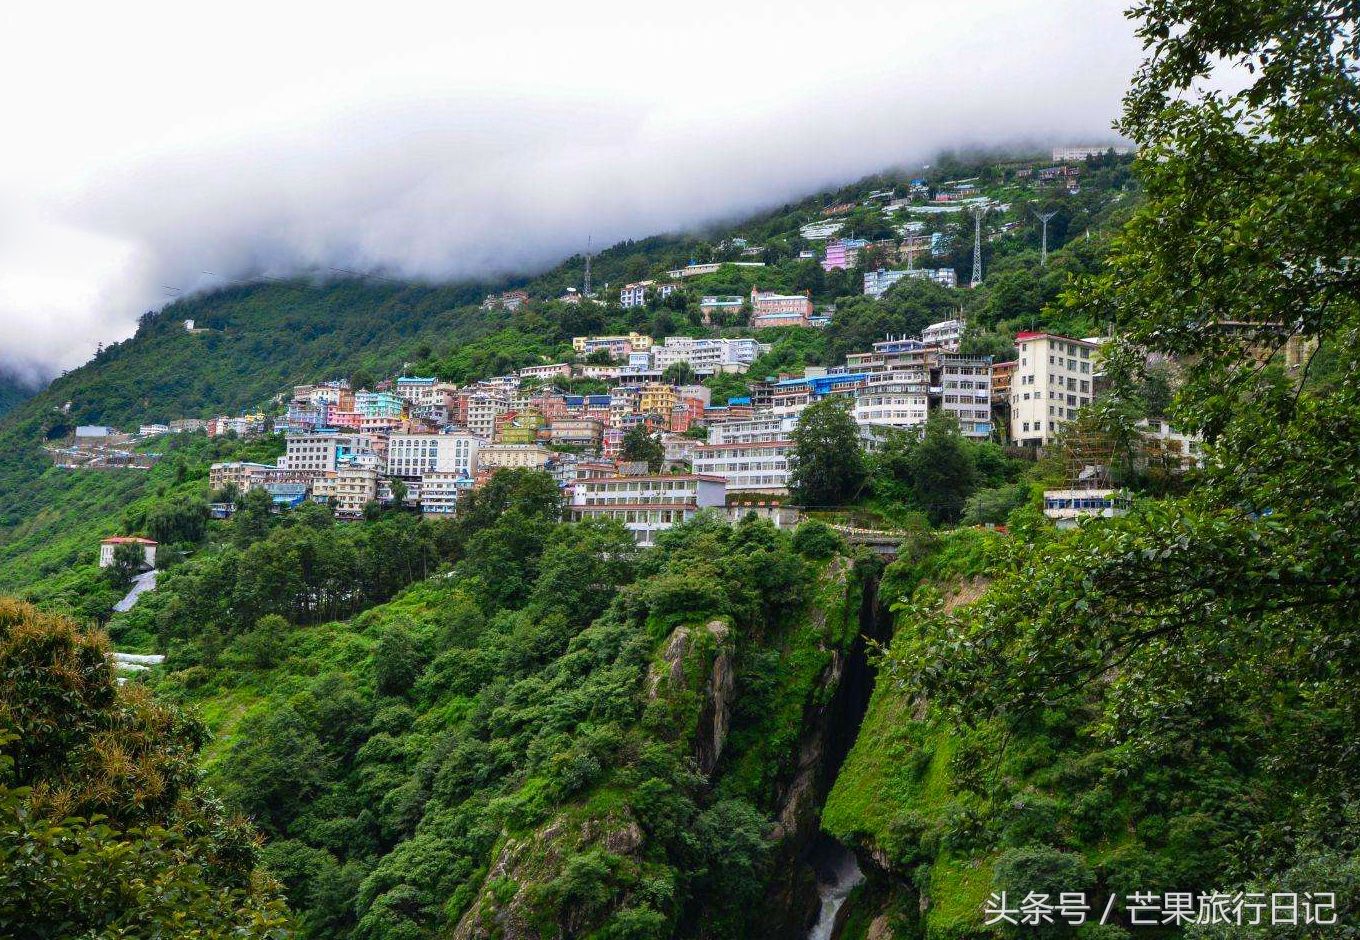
252 519
128 561
641 445
679 372
1226 618
941 469
600 357
98 792
828 465
397 662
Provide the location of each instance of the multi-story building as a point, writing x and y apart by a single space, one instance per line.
379 404
896 399
547 373
581 432
725 304
500 456
791 396
708 356
412 456
483 408
635 294
876 283
842 253
947 334
440 490
247 476
771 309
752 430
354 488
657 398
647 505
242 425
1062 154
617 346
696 270
750 467
324 451
1002 374
1052 381
965 384
816 231
416 389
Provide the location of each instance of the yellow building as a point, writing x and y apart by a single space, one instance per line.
658 399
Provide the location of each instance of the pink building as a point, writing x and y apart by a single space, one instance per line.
842 253
771 309
346 419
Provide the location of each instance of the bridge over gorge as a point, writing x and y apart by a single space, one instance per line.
881 541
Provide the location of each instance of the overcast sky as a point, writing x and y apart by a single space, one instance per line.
148 143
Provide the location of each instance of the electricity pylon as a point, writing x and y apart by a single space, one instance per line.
978 212
1043 253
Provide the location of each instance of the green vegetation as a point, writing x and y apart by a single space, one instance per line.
527 741
103 830
1165 701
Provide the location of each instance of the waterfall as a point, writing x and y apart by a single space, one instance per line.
837 877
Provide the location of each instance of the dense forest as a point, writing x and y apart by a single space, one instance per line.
505 725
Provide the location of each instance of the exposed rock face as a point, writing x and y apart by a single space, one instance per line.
714 677
536 860
879 929
715 716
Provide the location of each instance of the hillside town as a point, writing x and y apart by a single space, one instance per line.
421 442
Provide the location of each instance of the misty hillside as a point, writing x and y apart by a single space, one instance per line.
12 392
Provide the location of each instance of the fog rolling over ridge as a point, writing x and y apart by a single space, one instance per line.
438 145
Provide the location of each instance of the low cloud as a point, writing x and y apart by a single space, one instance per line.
501 161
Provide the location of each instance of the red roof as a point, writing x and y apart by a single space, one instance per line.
1029 334
126 540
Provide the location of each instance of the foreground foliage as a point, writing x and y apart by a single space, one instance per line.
103 831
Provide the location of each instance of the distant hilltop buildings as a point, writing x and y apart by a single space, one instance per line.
1063 154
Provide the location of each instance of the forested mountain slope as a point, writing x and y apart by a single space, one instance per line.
12 392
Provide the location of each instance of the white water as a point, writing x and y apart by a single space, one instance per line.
845 877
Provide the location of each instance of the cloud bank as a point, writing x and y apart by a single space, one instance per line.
440 143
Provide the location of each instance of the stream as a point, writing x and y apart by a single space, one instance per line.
837 875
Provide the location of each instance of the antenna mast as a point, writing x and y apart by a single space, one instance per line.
586 285
978 212
1044 217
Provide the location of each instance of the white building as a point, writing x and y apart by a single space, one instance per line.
324 451
411 456
947 334
707 356
635 294
894 399
816 231
1066 507
440 491
751 467
108 546
1063 154
153 430
753 430
876 283
966 392
1051 382
482 411
647 505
